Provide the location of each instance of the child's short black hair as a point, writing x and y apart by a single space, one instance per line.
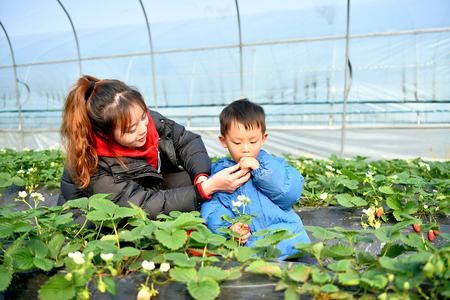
245 112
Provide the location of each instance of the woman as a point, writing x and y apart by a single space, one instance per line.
116 145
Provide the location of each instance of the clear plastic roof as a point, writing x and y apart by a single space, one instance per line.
189 58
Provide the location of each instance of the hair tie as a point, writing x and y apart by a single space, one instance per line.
90 90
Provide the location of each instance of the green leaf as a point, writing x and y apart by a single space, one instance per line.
99 203
338 251
23 259
233 273
349 279
5 180
358 201
348 183
43 263
291 293
322 233
212 272
329 288
393 203
124 212
244 253
71 246
263 267
5 278
55 244
38 248
81 203
299 273
57 288
6 229
377 281
185 220
98 216
110 285
129 251
320 277
340 265
18 181
205 236
414 240
180 259
172 240
183 274
345 200
203 289
386 190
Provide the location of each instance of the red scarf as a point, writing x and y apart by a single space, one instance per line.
149 151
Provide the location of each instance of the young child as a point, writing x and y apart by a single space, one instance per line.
274 186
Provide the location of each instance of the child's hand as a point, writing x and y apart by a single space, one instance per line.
248 162
243 230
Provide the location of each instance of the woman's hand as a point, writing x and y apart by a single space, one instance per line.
227 180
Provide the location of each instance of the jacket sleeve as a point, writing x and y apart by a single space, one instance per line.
191 151
212 212
69 189
152 201
279 181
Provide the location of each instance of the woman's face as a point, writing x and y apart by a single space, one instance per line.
136 133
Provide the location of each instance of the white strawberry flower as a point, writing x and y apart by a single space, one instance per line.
237 203
164 267
148 265
22 194
323 196
107 256
77 257
37 196
20 172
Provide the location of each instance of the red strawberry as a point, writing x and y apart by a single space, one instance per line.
380 212
416 227
430 235
436 232
188 232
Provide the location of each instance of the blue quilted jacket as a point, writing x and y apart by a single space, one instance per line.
273 189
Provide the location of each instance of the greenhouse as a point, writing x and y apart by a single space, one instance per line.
356 104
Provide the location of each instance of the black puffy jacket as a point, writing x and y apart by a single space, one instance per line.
141 183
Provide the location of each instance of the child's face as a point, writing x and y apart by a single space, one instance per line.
136 134
241 142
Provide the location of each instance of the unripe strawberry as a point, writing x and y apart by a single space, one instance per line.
380 212
101 286
430 235
382 296
440 266
406 285
144 293
83 294
416 227
428 269
436 232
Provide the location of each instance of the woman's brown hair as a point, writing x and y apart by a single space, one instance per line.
94 106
